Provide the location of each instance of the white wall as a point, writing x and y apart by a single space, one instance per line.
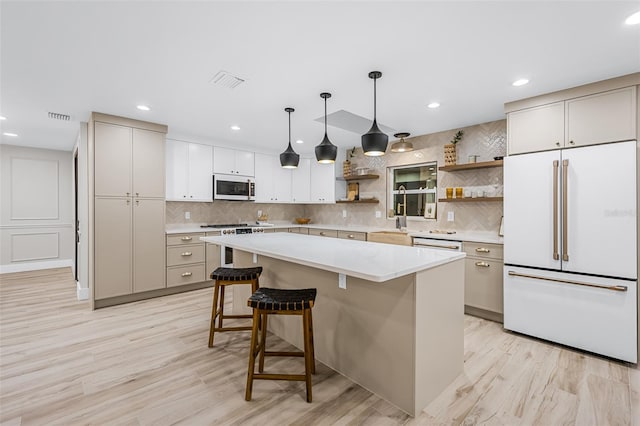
36 209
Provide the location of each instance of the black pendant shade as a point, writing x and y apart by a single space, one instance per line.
326 152
374 142
289 159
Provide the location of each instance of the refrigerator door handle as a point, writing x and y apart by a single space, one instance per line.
556 256
535 277
565 211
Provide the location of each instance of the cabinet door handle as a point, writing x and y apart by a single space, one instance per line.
557 143
483 250
137 194
572 142
483 264
128 193
186 274
186 253
186 238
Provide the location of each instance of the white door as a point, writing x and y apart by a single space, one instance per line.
200 172
601 216
529 237
224 161
177 160
301 182
264 178
281 183
323 183
245 163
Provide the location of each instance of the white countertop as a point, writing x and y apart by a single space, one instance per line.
471 236
370 261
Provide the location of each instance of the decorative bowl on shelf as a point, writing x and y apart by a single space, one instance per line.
302 220
361 171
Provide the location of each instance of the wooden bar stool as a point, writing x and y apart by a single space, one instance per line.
270 301
224 277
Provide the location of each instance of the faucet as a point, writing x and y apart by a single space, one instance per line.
401 222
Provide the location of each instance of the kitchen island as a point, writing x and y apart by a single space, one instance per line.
388 317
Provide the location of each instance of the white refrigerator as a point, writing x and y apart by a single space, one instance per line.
570 247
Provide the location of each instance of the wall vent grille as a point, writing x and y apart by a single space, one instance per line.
58 116
226 79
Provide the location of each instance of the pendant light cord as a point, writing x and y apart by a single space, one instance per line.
325 116
289 128
375 103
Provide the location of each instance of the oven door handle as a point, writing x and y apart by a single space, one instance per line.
450 247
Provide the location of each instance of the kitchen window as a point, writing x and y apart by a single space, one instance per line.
412 191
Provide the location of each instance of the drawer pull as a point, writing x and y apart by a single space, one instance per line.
483 264
483 250
186 238
186 274
186 253
351 236
322 234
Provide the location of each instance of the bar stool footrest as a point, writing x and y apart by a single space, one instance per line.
243 328
290 377
279 353
224 317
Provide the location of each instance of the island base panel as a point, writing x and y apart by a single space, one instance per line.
368 331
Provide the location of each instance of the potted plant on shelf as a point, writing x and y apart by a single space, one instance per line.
450 157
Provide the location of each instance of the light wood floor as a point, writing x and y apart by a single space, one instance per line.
147 363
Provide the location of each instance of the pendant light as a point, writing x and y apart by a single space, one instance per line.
289 159
374 142
326 152
402 146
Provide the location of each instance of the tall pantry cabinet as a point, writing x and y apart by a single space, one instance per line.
127 180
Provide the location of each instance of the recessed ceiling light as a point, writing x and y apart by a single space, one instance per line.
143 108
633 19
433 105
13 135
520 82
235 127
2 117
299 141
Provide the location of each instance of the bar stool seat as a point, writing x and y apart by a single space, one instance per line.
224 277
270 301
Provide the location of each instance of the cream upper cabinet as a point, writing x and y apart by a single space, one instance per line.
273 183
148 159
113 160
301 182
587 120
603 117
189 171
536 129
323 183
233 162
126 161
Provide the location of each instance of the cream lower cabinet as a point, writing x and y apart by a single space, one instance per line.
323 232
127 236
186 262
483 280
360 236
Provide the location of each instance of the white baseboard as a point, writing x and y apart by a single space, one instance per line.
35 266
82 292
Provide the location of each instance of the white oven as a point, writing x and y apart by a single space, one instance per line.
447 245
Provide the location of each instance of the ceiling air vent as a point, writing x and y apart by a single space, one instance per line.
226 79
58 116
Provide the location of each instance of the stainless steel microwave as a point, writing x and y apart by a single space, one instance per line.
235 188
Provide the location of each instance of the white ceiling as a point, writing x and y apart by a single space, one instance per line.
78 57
